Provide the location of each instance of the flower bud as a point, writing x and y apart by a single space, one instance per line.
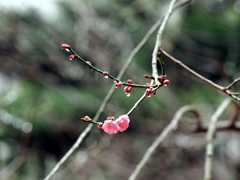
148 92
160 78
119 84
71 57
111 118
129 81
148 76
166 82
65 46
127 90
164 76
86 118
99 125
105 74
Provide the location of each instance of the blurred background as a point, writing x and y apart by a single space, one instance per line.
43 94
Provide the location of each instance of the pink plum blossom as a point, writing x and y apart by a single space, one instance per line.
123 122
110 127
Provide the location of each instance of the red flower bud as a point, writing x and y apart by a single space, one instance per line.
105 74
71 57
99 125
148 92
119 84
86 118
160 78
164 76
65 46
127 90
148 76
166 82
111 118
129 81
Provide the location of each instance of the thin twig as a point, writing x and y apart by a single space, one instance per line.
9 170
136 104
233 83
232 124
90 66
220 88
171 126
210 139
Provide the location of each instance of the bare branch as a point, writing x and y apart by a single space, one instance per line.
9 170
171 126
210 139
220 88
136 104
159 39
233 83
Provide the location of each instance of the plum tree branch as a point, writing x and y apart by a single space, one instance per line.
210 139
164 134
216 86
159 39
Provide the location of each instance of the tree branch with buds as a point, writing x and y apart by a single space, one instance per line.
216 86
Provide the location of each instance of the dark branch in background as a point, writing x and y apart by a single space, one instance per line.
232 124
210 139
164 134
220 88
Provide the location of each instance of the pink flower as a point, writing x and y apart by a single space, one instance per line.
123 122
110 127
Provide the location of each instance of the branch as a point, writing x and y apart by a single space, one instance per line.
232 124
159 39
232 84
104 73
9 170
165 133
216 86
136 104
210 139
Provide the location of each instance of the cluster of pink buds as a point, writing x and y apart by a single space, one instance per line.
112 126
163 79
149 91
128 89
